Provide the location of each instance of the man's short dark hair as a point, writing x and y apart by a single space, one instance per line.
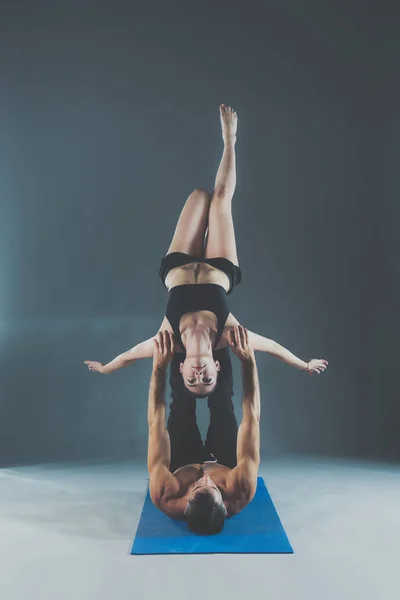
204 514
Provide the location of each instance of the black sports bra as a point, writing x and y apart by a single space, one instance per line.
191 297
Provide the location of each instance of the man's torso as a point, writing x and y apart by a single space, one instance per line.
173 501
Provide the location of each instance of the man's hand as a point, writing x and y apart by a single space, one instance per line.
164 348
238 338
95 366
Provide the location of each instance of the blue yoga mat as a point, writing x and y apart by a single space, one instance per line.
257 529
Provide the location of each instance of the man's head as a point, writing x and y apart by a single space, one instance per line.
200 374
205 511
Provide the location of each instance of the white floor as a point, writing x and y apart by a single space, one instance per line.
66 531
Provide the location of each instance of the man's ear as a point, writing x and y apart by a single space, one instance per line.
217 365
180 367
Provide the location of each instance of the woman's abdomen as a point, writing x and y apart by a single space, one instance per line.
194 273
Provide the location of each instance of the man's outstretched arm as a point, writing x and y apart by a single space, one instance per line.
159 447
243 477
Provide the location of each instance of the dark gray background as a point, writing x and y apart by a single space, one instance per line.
108 119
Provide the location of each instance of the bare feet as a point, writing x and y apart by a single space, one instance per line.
228 123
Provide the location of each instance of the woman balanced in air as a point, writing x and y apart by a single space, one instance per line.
200 270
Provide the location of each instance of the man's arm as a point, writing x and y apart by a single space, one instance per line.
243 478
159 447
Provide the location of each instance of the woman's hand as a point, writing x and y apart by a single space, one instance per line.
317 365
96 367
164 348
238 338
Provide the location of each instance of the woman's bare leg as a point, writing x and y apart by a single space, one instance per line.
192 225
221 234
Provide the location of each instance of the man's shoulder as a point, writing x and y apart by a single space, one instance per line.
165 492
241 486
173 506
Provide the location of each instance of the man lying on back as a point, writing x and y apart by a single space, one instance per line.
204 494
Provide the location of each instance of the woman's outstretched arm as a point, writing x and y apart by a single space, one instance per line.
263 344
143 350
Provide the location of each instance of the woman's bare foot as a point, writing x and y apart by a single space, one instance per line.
228 123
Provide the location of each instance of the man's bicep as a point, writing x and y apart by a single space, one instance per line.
162 483
243 477
242 483
158 461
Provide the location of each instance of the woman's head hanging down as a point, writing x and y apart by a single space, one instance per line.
200 372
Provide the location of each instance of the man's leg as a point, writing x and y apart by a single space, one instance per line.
186 443
222 433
